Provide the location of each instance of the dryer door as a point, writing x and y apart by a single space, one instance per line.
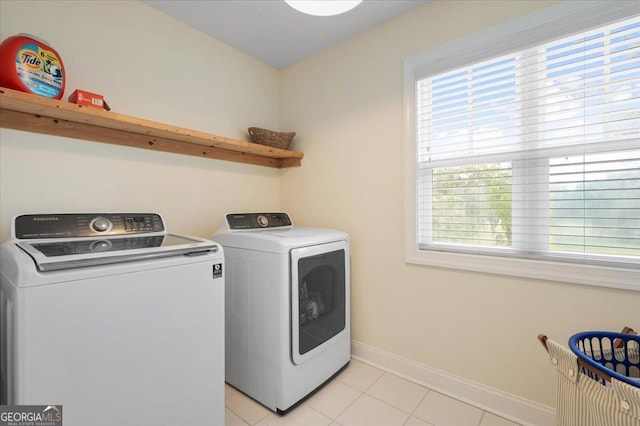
319 297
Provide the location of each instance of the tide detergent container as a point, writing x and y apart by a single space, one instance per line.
30 65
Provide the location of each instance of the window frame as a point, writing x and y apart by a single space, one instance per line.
557 21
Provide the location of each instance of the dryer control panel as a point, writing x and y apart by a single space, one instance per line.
85 225
242 221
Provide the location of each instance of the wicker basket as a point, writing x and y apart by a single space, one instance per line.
271 138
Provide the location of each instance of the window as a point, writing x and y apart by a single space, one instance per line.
533 155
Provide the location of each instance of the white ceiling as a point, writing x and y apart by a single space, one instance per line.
272 31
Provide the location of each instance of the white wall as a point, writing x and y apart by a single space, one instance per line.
346 104
151 66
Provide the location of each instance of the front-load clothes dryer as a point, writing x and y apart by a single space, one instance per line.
287 306
112 320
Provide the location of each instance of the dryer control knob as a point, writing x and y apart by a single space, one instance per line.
101 224
263 221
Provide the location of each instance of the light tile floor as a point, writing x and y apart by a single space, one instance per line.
363 395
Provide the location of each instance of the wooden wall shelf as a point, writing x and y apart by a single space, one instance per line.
31 113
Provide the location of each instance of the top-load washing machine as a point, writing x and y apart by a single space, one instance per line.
287 306
112 320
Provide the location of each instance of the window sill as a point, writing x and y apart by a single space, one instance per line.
593 275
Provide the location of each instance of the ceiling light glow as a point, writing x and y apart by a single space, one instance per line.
323 7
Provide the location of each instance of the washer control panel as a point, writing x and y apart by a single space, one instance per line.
85 225
241 221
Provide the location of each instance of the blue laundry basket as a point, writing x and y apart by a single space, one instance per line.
614 354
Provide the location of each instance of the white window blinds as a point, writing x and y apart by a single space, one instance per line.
535 154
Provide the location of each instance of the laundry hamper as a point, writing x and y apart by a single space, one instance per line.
613 354
588 395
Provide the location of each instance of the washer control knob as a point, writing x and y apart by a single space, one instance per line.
263 221
101 224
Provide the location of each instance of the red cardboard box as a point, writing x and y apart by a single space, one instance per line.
82 97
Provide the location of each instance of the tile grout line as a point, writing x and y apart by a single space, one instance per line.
241 394
481 417
392 406
359 396
349 406
410 413
361 392
319 412
237 414
376 380
421 401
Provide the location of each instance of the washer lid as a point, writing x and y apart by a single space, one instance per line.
50 255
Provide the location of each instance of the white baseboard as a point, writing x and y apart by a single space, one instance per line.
489 399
